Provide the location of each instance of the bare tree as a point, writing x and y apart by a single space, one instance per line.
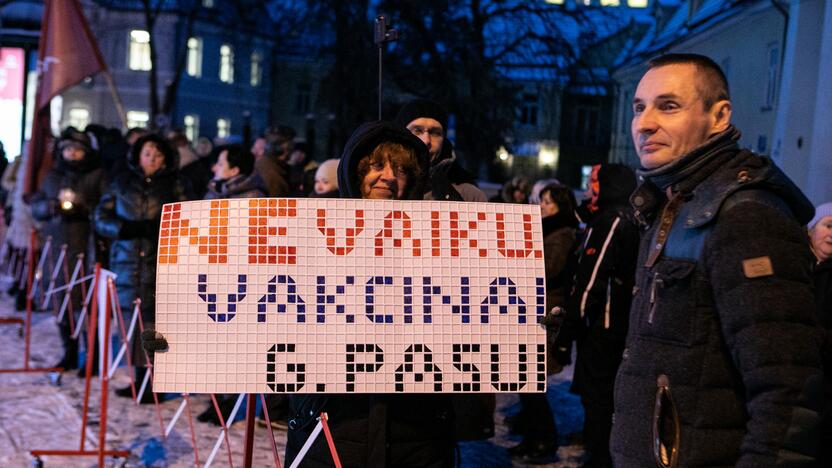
471 55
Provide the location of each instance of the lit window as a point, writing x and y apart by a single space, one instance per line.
208 3
637 3
223 128
78 117
191 127
139 53
555 2
137 119
226 64
610 3
194 65
256 68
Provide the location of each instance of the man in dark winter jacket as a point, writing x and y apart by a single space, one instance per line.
64 204
599 305
448 180
722 365
380 161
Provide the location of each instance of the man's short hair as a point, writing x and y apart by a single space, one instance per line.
714 85
239 157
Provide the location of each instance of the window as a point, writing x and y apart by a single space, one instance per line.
223 128
637 3
303 99
78 117
587 124
208 3
256 68
226 64
137 119
194 63
610 3
191 127
139 53
773 56
527 113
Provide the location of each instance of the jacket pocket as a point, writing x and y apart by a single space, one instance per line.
669 314
666 430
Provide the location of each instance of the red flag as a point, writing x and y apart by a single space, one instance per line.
67 54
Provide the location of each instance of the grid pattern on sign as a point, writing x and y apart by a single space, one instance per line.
350 296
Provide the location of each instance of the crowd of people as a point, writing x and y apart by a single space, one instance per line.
696 290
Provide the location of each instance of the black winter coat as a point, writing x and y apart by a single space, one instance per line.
722 365
599 304
823 307
129 214
71 227
375 430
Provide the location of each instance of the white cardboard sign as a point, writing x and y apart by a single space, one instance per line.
350 296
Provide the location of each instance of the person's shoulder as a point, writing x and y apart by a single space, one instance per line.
470 192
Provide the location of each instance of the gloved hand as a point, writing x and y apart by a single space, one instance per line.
153 341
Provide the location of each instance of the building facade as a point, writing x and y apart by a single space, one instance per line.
226 71
775 55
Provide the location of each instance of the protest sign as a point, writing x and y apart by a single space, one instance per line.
350 296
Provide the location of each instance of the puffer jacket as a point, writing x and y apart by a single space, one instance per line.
375 430
599 304
135 199
72 227
722 364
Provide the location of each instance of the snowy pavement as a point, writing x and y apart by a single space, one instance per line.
35 414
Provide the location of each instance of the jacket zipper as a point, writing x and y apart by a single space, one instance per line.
653 286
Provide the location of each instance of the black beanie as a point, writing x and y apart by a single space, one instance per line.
422 108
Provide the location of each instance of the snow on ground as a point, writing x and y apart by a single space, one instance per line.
37 414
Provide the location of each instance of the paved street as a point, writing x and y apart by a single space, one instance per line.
39 415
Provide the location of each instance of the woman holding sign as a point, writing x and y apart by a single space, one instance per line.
380 161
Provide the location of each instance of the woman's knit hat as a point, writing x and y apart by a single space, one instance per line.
821 211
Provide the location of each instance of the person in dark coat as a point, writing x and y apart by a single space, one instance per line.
63 205
820 237
129 214
380 161
722 365
536 422
193 173
302 169
273 168
599 305
234 176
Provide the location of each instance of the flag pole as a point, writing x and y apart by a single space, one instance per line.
116 98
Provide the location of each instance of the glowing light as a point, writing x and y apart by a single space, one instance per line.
66 205
502 154
548 156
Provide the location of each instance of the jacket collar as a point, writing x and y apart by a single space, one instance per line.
744 170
